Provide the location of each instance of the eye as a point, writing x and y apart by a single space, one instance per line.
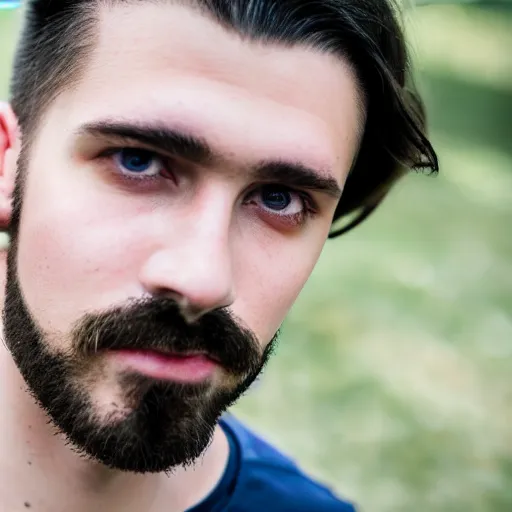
279 198
139 163
282 205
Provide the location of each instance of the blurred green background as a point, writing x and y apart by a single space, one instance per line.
393 378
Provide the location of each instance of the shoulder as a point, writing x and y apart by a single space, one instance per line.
269 480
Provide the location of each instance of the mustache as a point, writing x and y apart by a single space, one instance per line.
157 324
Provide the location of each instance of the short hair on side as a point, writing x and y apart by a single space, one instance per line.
59 35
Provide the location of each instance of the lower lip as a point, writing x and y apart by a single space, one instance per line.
186 369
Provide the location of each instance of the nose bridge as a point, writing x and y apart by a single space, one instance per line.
194 263
210 223
206 245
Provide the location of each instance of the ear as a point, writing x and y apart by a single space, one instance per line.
10 145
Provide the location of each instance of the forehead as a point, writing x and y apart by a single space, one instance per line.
168 64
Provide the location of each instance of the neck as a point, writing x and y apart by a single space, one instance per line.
41 471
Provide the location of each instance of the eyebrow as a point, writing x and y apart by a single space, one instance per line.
174 142
196 149
297 175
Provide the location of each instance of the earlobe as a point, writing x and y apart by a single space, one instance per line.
10 143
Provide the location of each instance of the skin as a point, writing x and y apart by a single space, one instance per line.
88 241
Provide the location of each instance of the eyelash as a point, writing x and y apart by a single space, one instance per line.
110 153
309 207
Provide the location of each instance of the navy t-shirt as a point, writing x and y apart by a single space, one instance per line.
258 478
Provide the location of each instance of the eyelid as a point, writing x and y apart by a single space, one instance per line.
119 142
309 204
303 193
309 200
167 166
305 197
111 151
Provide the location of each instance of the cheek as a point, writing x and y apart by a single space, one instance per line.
271 280
76 252
81 248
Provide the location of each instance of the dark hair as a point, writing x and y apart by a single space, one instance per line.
59 35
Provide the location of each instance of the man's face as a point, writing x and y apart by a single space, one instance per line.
176 200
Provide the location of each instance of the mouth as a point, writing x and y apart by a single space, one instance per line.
186 368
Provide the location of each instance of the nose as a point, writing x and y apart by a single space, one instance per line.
194 269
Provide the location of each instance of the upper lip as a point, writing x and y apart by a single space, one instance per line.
188 354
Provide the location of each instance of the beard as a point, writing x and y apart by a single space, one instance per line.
155 425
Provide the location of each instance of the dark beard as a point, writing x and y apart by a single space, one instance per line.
159 425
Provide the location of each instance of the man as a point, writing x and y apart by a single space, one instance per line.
169 174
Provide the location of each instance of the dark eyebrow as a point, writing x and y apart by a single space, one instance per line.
176 143
196 149
298 175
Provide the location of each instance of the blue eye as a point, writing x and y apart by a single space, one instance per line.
136 160
275 197
133 161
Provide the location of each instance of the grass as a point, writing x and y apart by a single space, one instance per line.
392 380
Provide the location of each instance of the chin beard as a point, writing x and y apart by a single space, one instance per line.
155 426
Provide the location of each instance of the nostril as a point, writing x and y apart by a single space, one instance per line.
197 285
180 299
191 314
189 311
